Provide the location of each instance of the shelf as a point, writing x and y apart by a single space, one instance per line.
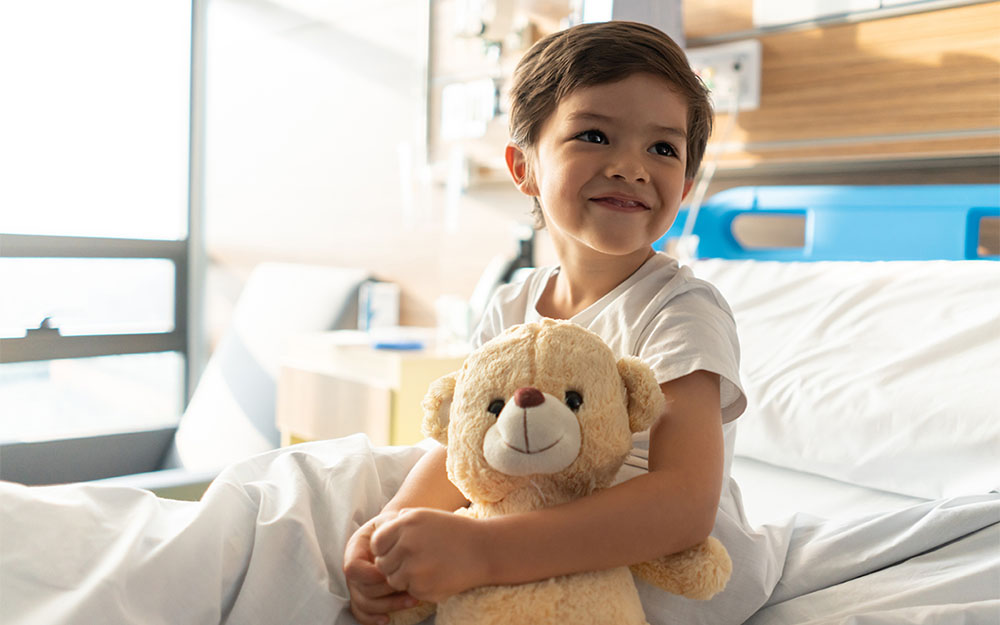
894 86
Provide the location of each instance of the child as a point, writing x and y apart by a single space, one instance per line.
608 126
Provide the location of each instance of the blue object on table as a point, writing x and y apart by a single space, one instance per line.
918 222
399 345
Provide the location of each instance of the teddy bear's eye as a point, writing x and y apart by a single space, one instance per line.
574 400
495 406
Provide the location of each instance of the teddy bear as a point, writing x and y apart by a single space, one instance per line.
541 415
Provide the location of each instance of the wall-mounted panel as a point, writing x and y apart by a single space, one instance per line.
911 86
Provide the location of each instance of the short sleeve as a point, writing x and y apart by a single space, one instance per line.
488 326
510 304
696 332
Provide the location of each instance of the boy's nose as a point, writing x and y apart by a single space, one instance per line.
628 169
641 177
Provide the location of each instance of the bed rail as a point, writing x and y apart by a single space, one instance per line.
868 223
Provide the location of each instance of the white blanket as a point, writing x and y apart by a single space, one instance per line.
265 545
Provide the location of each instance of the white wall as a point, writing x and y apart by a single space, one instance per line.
309 108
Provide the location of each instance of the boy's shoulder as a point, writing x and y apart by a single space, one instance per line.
663 279
668 295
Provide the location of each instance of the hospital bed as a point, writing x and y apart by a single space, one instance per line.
867 458
871 359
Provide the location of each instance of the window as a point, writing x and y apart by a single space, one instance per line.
95 242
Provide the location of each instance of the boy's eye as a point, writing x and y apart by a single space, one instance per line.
574 400
496 406
663 149
592 136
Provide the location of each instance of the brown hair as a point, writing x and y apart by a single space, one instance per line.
598 53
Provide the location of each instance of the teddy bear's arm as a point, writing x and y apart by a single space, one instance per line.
697 573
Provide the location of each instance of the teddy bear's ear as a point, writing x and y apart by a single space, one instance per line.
645 399
437 406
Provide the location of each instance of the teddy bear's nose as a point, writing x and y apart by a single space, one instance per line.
528 396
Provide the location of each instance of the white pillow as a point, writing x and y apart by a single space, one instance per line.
883 374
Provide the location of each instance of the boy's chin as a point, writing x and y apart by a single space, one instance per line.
633 250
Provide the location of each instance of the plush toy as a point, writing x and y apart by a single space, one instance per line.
541 415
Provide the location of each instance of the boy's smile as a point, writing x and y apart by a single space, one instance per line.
621 202
608 167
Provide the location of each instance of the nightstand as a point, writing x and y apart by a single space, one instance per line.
333 384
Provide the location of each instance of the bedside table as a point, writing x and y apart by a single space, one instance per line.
333 384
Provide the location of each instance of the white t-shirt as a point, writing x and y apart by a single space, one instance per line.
674 322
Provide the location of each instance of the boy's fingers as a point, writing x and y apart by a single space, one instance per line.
389 565
384 537
367 580
376 590
363 572
358 549
366 618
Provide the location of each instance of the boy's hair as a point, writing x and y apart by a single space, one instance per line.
598 53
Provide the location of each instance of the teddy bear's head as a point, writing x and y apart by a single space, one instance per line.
544 409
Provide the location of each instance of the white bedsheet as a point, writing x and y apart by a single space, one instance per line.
882 374
862 556
773 495
936 562
265 546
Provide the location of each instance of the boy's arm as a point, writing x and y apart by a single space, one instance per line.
427 486
671 508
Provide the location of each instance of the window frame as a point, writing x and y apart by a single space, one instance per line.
85 458
39 344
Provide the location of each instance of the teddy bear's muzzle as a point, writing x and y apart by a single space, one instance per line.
534 433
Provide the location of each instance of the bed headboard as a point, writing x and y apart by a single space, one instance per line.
920 222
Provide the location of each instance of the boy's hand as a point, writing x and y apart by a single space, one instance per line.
371 596
430 554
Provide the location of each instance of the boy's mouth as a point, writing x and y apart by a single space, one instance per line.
620 203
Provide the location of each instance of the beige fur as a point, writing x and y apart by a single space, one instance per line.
619 398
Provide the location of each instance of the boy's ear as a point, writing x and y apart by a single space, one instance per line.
517 165
688 185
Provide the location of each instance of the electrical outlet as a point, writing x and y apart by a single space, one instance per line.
731 71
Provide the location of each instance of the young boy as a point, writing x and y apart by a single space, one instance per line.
608 127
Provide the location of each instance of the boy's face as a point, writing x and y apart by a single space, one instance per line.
608 167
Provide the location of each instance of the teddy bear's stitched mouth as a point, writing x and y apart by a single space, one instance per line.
537 451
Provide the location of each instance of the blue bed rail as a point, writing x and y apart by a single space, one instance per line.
920 222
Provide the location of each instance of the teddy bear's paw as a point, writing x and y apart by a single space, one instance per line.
412 616
697 573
